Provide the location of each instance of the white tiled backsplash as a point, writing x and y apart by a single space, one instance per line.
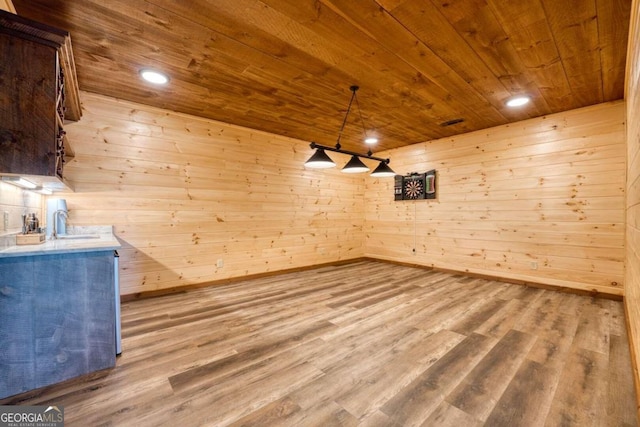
17 202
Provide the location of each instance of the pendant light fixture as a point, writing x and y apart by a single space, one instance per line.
355 165
320 159
383 171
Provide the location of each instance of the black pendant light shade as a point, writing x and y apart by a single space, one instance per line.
319 160
355 165
383 171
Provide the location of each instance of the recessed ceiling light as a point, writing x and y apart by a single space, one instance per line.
518 101
154 77
371 140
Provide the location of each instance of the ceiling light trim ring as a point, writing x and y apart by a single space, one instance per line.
518 101
154 76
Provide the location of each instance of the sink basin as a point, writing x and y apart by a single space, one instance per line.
77 236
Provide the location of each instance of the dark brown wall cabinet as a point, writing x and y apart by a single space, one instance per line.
37 78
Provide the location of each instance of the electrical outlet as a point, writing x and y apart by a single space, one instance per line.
220 263
534 265
5 220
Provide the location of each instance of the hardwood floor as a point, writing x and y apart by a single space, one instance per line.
365 344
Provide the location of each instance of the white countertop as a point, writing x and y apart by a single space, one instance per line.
104 241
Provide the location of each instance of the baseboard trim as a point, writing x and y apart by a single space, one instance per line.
531 284
18 399
633 355
193 287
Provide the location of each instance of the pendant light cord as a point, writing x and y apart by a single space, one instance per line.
344 122
364 131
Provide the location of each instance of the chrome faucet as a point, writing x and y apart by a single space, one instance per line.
56 214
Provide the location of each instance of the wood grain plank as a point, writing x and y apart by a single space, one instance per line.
447 415
377 419
376 386
504 319
555 322
275 413
210 373
486 36
571 21
587 386
593 331
325 414
613 17
620 410
526 21
478 393
415 403
476 317
527 399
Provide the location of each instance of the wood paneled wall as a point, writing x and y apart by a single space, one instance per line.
632 276
7 5
540 200
184 192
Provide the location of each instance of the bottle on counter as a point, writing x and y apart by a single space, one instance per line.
32 224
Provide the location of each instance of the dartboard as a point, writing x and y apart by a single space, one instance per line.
413 189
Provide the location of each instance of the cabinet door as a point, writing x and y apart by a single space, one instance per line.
28 127
57 318
17 329
75 312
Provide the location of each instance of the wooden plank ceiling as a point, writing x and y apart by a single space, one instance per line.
285 66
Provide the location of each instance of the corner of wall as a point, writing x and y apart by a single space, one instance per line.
632 224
